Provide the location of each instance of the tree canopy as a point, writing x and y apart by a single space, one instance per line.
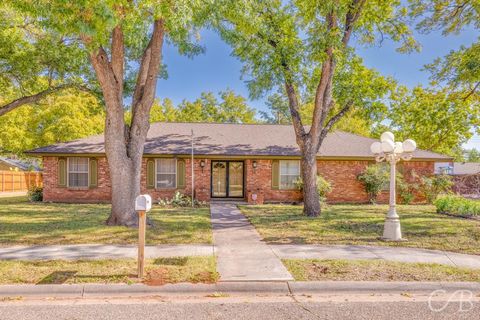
59 117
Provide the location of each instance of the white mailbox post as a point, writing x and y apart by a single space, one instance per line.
143 204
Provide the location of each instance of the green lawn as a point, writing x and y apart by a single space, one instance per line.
376 270
363 224
157 271
24 223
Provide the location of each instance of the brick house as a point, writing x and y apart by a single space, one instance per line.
254 162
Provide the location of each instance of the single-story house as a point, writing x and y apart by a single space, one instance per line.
13 164
254 162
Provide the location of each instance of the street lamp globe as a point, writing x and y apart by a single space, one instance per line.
376 147
409 145
388 146
387 136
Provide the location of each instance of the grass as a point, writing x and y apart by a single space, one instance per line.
25 223
157 271
363 225
376 270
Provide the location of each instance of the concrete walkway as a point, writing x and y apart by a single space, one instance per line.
400 254
99 251
241 253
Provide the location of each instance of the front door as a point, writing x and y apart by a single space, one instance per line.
227 179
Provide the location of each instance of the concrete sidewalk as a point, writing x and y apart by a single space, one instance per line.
99 251
353 252
241 253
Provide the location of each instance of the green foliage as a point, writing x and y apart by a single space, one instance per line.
459 70
438 120
181 200
287 40
35 194
61 117
33 59
406 190
231 108
473 155
458 206
374 178
432 187
323 187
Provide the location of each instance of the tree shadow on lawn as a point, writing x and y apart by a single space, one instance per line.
61 277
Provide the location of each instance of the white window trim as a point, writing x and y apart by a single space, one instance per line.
68 173
280 174
156 174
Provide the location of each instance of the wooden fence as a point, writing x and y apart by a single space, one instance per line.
13 181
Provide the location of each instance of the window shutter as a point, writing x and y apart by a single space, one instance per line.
150 174
62 172
275 174
180 174
93 172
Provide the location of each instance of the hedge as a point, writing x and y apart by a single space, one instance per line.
457 205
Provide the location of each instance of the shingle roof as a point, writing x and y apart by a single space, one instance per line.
232 140
22 165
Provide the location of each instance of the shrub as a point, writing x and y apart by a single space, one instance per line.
457 205
373 178
323 187
406 190
432 187
35 194
181 200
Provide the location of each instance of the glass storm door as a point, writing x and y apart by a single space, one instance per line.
219 179
227 179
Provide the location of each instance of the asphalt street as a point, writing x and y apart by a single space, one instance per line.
397 306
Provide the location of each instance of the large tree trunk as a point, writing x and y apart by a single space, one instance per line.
311 199
125 188
124 143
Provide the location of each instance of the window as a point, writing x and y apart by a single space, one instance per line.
289 173
78 172
166 173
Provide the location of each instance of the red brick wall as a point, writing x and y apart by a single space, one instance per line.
52 192
202 181
342 174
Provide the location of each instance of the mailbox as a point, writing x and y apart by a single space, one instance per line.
143 203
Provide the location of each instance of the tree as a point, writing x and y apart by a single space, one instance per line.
473 155
34 63
123 41
59 117
438 120
232 108
460 69
304 47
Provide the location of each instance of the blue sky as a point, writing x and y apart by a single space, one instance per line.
217 70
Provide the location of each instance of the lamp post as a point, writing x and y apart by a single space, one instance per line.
390 151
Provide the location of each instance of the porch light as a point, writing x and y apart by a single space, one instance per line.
202 164
254 164
390 151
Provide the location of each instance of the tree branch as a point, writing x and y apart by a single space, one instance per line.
335 118
118 57
36 97
472 91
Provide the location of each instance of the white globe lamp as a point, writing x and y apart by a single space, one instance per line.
387 136
409 145
376 147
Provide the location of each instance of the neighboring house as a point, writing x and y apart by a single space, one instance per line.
257 163
457 168
9 164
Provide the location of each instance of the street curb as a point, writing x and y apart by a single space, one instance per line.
230 288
